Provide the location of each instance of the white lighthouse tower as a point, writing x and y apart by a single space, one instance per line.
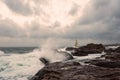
76 44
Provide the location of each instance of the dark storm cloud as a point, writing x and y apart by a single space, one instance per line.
99 12
100 21
10 29
112 33
19 7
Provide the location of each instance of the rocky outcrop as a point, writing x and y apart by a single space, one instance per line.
113 54
89 49
78 53
111 50
98 69
117 50
70 48
44 61
92 48
105 63
76 71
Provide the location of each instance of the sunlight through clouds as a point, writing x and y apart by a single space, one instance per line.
66 19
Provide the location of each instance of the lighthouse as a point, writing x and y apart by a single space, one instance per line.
76 44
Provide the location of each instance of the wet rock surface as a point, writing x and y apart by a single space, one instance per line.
88 49
116 50
105 63
113 54
97 69
70 48
76 71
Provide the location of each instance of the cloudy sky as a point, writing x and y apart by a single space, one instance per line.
32 22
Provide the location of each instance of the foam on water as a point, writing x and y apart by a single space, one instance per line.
19 66
1 53
50 52
90 56
113 47
22 66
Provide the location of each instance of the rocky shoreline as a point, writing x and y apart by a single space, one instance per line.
97 69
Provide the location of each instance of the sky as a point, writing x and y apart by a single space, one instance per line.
33 22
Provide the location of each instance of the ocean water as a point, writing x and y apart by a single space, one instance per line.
21 63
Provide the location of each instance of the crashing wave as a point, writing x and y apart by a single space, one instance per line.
19 66
1 53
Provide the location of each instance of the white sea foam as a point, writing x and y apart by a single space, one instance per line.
19 66
22 66
1 53
48 51
90 56
113 47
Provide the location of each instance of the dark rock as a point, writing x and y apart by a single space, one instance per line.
117 50
113 56
92 48
75 71
106 63
111 50
79 53
102 56
70 48
89 49
108 69
45 61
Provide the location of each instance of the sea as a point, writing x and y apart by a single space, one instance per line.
22 63
19 63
